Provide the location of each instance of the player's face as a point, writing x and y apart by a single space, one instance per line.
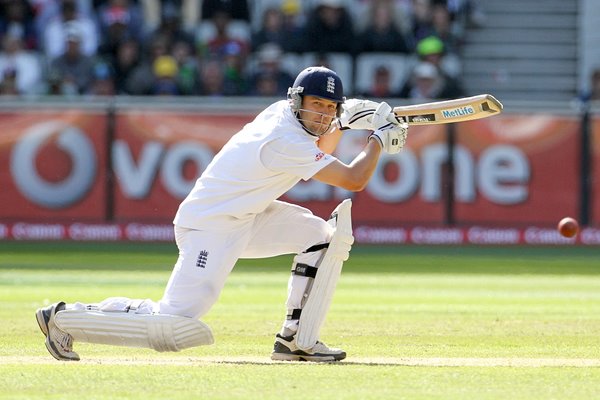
317 114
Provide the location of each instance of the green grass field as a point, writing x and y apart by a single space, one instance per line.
416 322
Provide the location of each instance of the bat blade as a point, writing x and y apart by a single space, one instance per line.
448 111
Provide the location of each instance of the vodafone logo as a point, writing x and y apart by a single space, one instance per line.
33 184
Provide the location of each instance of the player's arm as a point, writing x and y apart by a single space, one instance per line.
389 137
353 176
328 142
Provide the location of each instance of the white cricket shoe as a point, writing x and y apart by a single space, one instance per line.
58 343
285 349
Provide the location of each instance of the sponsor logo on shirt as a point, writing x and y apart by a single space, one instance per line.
319 156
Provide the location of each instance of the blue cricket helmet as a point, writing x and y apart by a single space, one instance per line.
319 82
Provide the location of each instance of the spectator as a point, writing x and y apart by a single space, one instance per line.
103 83
126 60
431 49
428 83
421 19
236 9
323 60
170 28
217 45
362 11
23 66
265 84
281 25
270 79
330 28
271 30
234 67
47 10
8 82
294 24
595 87
381 86
187 66
165 72
593 92
120 20
74 69
381 34
56 31
442 28
151 11
464 13
16 19
142 77
212 79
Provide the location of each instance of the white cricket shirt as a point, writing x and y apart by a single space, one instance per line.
258 164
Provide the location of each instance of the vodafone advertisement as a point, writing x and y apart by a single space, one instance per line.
517 170
65 175
53 165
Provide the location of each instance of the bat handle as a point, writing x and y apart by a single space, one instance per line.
395 118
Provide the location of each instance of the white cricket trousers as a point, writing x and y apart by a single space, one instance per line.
207 257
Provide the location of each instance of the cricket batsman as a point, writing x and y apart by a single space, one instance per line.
233 212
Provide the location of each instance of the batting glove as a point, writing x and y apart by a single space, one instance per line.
357 114
390 135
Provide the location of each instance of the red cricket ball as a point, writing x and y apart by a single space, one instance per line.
568 227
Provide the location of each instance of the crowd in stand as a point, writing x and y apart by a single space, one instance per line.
223 47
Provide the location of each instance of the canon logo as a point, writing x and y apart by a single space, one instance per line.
26 231
482 235
545 236
148 232
436 236
94 232
366 234
590 236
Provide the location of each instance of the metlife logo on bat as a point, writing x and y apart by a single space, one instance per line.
458 112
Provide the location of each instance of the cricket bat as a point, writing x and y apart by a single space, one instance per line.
447 111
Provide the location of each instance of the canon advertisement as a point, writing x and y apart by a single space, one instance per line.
73 175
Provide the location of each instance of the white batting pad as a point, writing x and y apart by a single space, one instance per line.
154 331
328 274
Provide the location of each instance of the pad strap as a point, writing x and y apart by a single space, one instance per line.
294 314
305 270
316 247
